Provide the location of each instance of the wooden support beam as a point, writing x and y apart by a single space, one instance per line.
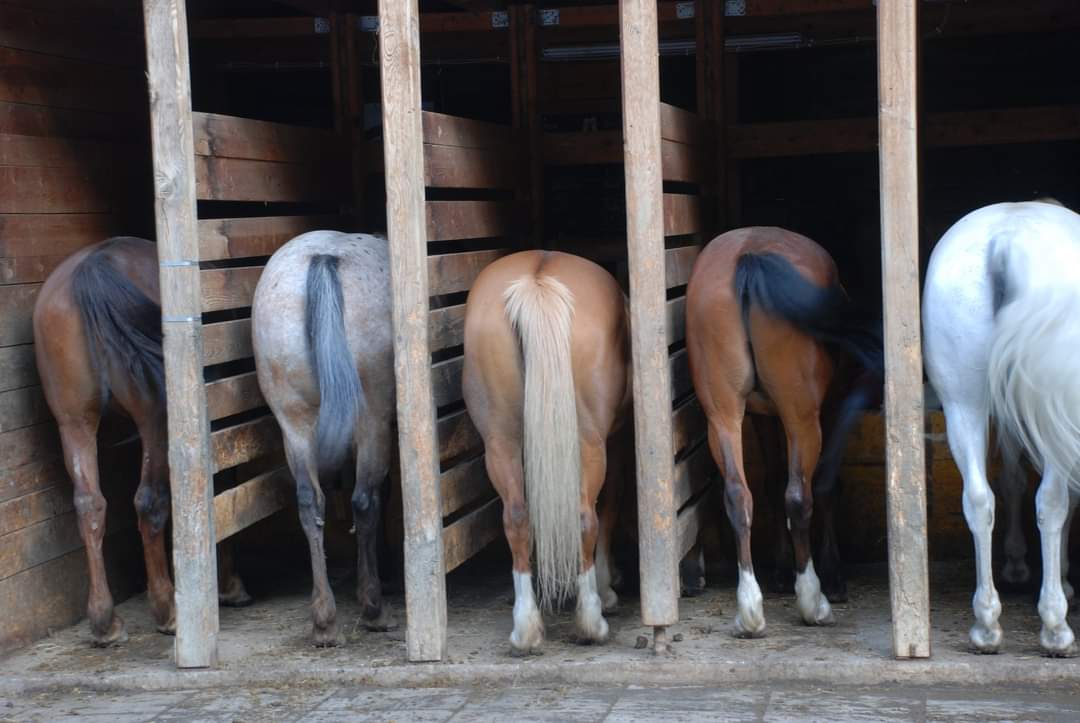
172 137
657 532
904 455
403 147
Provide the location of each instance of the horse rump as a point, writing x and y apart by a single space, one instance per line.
341 396
121 323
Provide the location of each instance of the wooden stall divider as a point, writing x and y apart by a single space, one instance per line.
194 559
905 473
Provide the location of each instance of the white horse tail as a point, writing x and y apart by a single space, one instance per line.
1034 369
541 309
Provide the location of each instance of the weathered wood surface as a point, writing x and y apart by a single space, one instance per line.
452 167
446 327
241 179
453 220
464 484
403 148
226 341
194 559
236 238
658 539
678 263
224 136
18 368
446 381
233 395
448 130
49 80
457 436
898 42
679 125
690 522
682 214
244 442
254 500
692 473
676 320
466 536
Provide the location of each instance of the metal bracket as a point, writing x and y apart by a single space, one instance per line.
322 26
735 8
500 19
368 23
684 10
179 263
549 17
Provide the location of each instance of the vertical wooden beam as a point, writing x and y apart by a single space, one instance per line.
904 453
425 578
194 561
658 533
712 108
729 116
523 53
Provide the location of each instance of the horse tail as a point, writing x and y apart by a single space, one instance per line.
122 324
341 396
772 283
541 310
1034 388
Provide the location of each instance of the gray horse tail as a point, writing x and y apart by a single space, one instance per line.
341 397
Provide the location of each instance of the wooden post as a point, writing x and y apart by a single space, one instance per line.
526 118
904 453
657 530
194 561
712 109
403 141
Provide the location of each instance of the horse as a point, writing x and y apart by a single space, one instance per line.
546 382
323 342
97 334
768 326
1000 300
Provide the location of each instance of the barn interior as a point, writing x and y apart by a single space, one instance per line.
782 131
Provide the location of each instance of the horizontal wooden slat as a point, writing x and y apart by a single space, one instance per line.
680 125
38 120
244 442
78 36
463 484
689 522
26 189
692 474
224 136
687 425
457 436
583 148
26 479
677 265
233 395
679 366
446 327
42 152
465 537
22 408
451 273
681 162
52 233
446 381
237 238
238 179
453 220
28 269
16 310
226 341
234 29
229 288
48 80
30 509
242 506
450 167
676 319
682 214
18 368
448 130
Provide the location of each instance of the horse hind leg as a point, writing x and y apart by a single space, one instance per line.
152 507
589 618
768 431
231 590
1052 508
79 438
610 497
1012 484
372 467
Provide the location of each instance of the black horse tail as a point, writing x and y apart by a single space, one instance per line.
826 313
341 397
122 325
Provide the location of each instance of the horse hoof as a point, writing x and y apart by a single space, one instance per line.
609 602
384 622
525 652
1058 644
835 591
747 632
986 641
168 628
117 634
238 599
591 632
327 637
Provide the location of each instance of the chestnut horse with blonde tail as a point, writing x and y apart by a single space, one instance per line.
768 327
546 382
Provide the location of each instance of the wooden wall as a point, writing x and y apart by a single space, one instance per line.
74 169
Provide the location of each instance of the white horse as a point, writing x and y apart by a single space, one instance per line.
1001 320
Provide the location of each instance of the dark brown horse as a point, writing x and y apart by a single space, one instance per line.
546 382
97 334
767 328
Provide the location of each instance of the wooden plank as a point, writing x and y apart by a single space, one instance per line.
194 556
457 436
237 238
226 341
48 80
18 368
451 273
242 443
52 233
258 498
690 522
453 220
43 152
678 262
238 179
225 136
682 214
796 138
232 29
22 408
28 269
464 484
26 445
30 509
25 189
403 137
33 477
16 310
232 288
681 384
692 474
465 537
233 395
680 125
681 162
687 425
446 381
450 167
645 237
583 148
898 40
676 320
38 120
448 130
70 35
446 327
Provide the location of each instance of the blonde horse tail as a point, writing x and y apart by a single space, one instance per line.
541 309
1034 385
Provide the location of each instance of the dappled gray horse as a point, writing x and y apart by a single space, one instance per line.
323 343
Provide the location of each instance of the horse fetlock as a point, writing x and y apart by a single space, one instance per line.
113 633
813 606
590 623
1059 641
750 618
163 607
232 593
328 636
379 620
986 639
609 600
528 633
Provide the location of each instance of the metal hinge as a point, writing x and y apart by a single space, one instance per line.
549 17
368 23
500 19
684 11
735 8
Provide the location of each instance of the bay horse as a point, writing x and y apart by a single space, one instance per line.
97 335
323 340
768 325
546 381
1000 303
